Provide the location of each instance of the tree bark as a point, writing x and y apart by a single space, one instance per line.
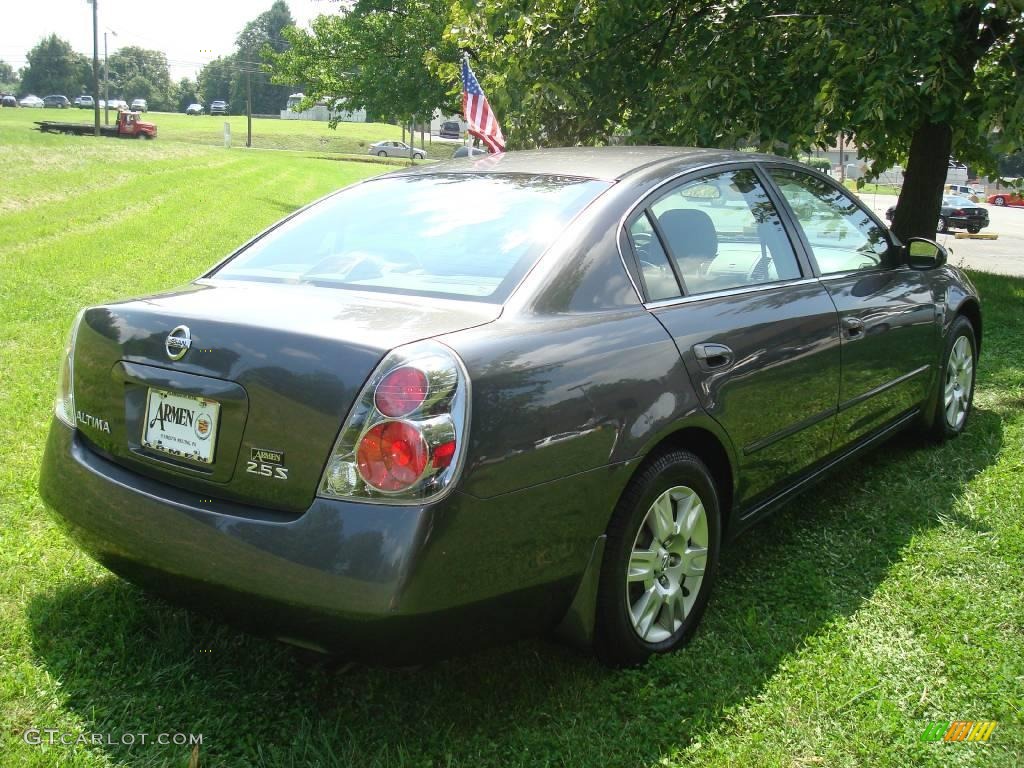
917 210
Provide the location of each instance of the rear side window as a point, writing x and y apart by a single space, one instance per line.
723 232
659 280
467 236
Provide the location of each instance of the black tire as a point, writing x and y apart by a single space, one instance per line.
941 429
943 224
382 153
974 230
1000 200
616 642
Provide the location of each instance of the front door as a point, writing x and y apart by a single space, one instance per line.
887 311
758 334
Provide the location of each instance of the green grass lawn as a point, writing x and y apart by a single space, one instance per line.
887 597
208 130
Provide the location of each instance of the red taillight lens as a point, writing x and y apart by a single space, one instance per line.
392 456
959 212
401 392
444 454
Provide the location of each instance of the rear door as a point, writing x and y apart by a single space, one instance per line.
758 333
887 311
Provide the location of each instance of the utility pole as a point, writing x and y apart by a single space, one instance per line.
248 106
95 67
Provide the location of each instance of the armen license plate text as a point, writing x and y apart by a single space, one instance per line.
181 425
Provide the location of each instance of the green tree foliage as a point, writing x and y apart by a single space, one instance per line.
8 78
215 80
913 82
186 91
139 73
259 40
54 67
378 55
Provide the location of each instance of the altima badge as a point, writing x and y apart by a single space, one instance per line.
178 342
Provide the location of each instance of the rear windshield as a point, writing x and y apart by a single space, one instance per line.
454 235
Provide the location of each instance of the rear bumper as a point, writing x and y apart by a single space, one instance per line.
393 585
963 222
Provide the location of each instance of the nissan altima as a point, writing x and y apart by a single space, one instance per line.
536 391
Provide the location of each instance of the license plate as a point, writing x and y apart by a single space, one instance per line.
181 425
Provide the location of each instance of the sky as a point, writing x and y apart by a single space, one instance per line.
190 32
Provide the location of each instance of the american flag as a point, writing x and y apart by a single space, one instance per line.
482 122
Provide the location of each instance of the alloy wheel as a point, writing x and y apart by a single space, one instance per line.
666 564
959 382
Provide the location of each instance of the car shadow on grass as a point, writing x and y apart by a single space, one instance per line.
129 663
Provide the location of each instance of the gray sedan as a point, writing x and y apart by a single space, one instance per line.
543 395
395 149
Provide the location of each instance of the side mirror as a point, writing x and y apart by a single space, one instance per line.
923 253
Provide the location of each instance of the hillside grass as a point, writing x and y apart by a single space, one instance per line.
886 598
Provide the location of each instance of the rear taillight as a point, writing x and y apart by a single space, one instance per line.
404 438
64 406
959 212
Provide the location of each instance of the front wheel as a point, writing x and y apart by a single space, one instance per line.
956 386
1000 200
660 562
974 230
943 225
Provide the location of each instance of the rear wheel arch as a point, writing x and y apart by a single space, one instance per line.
970 309
706 446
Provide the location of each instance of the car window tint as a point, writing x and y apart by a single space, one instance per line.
842 235
469 236
723 232
659 280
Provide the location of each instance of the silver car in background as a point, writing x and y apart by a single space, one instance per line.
396 149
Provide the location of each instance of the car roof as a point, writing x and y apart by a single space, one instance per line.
606 163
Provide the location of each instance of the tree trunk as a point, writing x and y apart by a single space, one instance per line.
917 210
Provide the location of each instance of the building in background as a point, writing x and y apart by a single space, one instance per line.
321 112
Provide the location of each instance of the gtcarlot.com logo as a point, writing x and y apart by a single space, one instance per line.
53 736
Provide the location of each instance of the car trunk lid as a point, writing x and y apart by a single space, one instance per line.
264 385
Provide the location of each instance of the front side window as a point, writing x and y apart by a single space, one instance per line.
723 232
466 236
843 237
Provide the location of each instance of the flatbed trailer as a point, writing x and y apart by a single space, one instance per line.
128 126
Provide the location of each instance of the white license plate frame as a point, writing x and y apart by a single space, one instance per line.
181 426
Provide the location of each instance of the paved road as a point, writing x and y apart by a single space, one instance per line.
1004 256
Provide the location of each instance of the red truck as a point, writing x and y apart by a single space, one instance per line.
128 126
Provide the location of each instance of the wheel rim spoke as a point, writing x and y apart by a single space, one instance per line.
695 562
646 611
661 519
641 566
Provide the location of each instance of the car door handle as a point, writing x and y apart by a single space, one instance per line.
853 327
713 356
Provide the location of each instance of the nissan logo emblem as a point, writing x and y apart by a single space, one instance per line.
178 342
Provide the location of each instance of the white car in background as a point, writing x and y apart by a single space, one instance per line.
31 101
